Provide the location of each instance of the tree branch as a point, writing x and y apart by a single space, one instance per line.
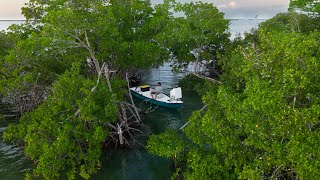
206 78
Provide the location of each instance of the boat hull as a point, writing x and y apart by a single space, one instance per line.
154 101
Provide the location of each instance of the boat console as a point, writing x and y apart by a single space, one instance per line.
176 94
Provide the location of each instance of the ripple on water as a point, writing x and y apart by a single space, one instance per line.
13 163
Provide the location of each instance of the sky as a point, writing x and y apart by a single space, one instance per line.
11 9
234 9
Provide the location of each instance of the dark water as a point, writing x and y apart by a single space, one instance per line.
13 163
137 163
123 164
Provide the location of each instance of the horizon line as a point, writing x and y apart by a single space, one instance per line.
226 18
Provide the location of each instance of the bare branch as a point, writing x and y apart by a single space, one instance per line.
202 109
207 78
131 97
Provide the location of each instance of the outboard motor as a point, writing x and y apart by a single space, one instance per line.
176 94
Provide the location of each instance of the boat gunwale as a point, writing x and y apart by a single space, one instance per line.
170 104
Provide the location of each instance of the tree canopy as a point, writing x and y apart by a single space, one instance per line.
311 6
64 134
262 121
199 32
291 22
65 71
120 34
65 74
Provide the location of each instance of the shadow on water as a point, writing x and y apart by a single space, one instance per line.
134 164
137 163
121 164
163 118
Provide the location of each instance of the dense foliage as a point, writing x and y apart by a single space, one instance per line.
263 121
292 22
60 76
65 133
199 33
64 72
311 6
191 83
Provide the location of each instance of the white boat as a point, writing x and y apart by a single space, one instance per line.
144 93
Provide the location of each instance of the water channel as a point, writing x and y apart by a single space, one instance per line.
123 164
127 164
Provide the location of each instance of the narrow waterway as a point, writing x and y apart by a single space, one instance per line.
123 164
13 162
137 163
127 164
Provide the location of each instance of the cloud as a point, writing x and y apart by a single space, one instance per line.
232 4
227 5
237 3
11 9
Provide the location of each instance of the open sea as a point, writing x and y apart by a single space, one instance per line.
4 24
237 26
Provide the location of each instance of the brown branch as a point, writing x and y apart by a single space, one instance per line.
88 47
133 114
106 74
124 116
131 97
274 172
206 78
134 129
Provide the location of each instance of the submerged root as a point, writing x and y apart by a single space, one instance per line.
122 133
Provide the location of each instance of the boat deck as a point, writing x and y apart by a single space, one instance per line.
161 99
